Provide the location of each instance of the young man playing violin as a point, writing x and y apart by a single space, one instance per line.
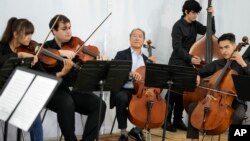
227 48
19 33
66 102
122 98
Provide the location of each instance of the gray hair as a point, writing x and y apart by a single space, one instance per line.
135 29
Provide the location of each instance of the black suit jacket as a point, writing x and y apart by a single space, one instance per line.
126 55
123 55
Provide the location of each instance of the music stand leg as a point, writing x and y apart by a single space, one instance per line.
100 108
5 133
19 132
170 83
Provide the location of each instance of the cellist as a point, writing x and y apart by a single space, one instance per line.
122 98
184 33
227 46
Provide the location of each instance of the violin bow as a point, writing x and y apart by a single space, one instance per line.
80 48
38 51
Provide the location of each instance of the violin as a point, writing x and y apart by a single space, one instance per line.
83 53
49 56
147 108
29 48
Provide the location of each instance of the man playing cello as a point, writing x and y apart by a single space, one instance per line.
227 48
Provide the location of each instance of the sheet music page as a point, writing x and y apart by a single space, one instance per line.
13 92
33 102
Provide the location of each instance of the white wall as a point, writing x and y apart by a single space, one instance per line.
156 17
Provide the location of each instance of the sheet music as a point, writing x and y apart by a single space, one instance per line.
33 102
13 92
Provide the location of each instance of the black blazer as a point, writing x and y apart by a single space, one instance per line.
126 55
123 55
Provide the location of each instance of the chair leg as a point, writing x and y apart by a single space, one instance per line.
2 126
112 126
44 115
148 135
61 137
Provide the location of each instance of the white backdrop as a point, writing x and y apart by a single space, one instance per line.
155 17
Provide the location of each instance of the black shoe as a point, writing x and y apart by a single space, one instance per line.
180 125
123 137
136 133
169 127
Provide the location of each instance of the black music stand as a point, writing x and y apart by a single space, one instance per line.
102 76
36 80
241 83
8 66
5 71
171 77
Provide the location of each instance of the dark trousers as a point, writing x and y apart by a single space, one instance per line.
66 103
122 99
175 104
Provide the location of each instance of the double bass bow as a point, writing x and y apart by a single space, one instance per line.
146 108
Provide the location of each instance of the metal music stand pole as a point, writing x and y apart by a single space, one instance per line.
171 77
102 76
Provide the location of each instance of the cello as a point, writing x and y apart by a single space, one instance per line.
146 108
212 115
207 49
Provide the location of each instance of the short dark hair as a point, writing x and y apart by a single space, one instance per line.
227 36
191 5
62 19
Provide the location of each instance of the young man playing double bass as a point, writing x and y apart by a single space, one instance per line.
122 98
184 33
226 46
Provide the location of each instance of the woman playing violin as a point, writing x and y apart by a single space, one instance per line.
19 33
226 46
64 101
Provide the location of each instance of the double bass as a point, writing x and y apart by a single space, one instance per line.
207 49
147 108
212 115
